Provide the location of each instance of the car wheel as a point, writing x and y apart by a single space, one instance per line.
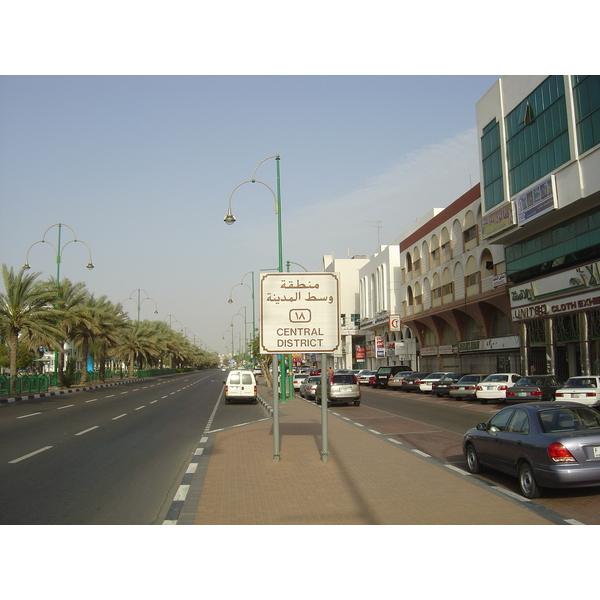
472 459
357 403
527 483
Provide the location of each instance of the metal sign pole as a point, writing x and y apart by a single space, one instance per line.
275 373
324 403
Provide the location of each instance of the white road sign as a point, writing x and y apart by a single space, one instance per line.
299 312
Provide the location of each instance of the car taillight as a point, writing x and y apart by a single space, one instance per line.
590 395
558 453
508 393
502 387
255 392
479 388
559 394
419 382
471 387
226 388
453 387
536 393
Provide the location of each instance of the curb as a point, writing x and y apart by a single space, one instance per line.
67 391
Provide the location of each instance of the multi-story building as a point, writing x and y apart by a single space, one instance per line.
540 173
347 270
454 298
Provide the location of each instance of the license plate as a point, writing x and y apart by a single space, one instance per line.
346 389
596 451
522 393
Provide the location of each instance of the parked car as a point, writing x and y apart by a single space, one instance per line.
426 384
364 377
308 387
395 381
466 386
442 387
298 379
544 444
314 372
409 381
494 386
584 389
384 373
340 388
533 388
240 385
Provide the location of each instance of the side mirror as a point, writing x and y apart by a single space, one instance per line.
480 426
224 381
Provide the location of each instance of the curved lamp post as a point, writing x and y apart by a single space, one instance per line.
291 262
252 295
58 250
230 220
139 302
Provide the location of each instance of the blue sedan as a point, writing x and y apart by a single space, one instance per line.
544 445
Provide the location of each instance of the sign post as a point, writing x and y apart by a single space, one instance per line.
300 312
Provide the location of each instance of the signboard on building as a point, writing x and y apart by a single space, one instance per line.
379 347
395 323
536 201
497 220
299 312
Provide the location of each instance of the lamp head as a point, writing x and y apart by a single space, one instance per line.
26 267
90 265
229 219
230 301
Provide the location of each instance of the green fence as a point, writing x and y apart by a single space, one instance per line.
34 383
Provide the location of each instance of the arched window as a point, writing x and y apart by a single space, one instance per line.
435 252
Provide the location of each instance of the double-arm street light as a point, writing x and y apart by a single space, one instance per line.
252 295
58 250
139 302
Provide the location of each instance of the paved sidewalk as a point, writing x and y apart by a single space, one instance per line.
368 480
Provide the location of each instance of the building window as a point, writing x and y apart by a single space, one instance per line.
473 279
586 94
447 289
435 257
562 246
537 136
437 293
417 267
491 158
470 234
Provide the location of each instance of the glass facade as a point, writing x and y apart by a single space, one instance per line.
493 192
537 135
570 243
586 96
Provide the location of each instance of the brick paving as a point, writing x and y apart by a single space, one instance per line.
367 479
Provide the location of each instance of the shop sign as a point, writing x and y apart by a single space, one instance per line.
449 349
536 201
582 278
431 351
562 306
360 352
395 323
497 220
379 347
501 343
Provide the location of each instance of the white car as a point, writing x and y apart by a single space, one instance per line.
494 386
426 383
240 385
364 376
299 380
584 389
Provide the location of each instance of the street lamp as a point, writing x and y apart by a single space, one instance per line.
252 295
291 262
58 250
139 302
230 220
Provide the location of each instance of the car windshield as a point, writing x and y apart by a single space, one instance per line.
384 370
569 419
497 378
343 379
470 379
313 379
582 382
435 376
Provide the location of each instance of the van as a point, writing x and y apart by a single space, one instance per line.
240 385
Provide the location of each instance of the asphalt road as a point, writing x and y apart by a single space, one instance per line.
113 455
436 426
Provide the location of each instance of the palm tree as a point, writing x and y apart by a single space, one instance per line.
112 323
26 309
70 298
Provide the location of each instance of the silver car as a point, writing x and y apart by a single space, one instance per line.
342 388
543 444
308 387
